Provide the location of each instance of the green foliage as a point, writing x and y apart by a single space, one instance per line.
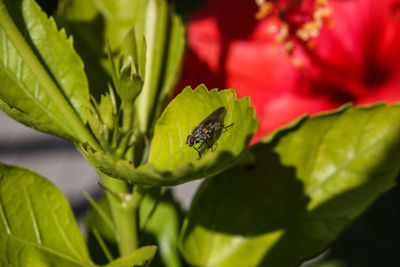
102 243
160 217
373 240
130 83
164 29
140 257
83 20
42 78
37 226
308 184
93 23
187 111
171 161
284 200
43 231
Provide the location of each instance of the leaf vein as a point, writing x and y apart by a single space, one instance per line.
343 166
34 99
314 157
33 216
61 229
4 219
46 248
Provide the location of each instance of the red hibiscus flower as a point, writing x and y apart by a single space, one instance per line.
317 65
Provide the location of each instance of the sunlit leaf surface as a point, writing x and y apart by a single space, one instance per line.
37 226
171 160
40 73
309 182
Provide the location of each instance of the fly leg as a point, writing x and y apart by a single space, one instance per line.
198 151
229 125
202 143
208 144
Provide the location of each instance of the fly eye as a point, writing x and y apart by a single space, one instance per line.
190 140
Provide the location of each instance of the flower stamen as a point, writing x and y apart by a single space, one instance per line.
300 21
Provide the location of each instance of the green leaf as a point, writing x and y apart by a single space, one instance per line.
161 216
188 110
28 120
310 181
171 161
373 241
140 257
37 226
41 75
83 20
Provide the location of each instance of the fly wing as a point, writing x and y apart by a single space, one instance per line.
209 120
213 116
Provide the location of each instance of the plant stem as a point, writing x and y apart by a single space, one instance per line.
124 214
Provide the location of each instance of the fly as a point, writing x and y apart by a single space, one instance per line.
205 131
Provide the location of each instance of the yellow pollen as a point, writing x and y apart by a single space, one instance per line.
272 28
305 31
312 28
264 9
321 2
289 47
283 32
